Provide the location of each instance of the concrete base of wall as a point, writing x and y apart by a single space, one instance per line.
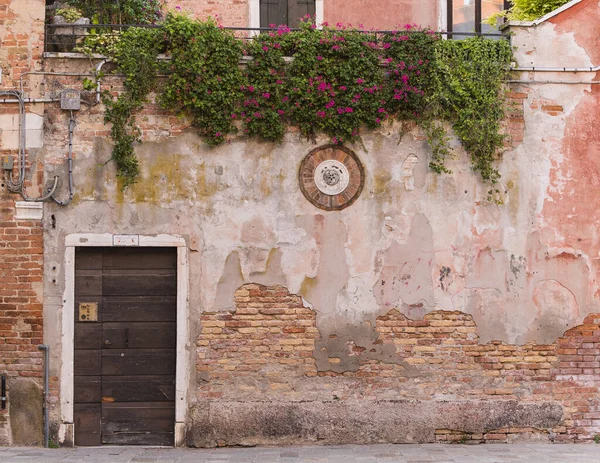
26 412
220 423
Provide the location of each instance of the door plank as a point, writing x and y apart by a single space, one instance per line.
139 308
153 388
88 335
87 424
87 389
138 335
88 283
138 423
140 258
88 362
154 282
138 362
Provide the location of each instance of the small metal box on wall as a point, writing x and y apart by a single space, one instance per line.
70 99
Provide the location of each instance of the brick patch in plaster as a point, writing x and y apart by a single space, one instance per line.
268 350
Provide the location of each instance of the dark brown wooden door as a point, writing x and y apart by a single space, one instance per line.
125 361
287 12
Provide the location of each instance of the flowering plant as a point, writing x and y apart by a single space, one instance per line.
333 80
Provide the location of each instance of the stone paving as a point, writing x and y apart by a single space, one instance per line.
434 453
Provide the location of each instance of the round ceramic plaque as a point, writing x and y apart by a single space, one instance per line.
331 177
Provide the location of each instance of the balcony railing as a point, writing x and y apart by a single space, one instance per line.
68 37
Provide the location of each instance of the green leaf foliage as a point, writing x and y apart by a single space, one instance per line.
526 10
333 80
204 80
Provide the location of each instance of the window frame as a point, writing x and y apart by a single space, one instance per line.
254 16
478 19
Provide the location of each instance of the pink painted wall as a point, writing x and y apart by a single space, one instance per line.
381 14
230 12
378 14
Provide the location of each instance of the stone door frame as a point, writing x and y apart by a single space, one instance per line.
182 371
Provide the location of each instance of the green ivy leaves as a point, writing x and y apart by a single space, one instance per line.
338 82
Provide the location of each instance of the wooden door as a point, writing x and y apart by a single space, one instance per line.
125 352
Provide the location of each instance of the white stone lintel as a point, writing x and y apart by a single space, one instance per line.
29 210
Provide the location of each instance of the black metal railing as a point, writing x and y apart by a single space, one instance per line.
72 37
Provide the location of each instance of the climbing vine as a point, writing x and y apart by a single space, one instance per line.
332 80
136 56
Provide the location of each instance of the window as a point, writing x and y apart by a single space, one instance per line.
285 11
466 15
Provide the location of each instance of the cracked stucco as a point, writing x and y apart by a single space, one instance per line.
415 241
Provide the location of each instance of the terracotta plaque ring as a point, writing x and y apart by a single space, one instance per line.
331 177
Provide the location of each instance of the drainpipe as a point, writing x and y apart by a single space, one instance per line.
46 350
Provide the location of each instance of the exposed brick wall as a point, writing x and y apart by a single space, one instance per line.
21 267
265 349
514 121
21 241
22 38
270 329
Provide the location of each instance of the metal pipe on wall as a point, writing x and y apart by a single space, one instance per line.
46 350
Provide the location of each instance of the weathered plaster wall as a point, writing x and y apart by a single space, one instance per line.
414 246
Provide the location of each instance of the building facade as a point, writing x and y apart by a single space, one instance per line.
419 313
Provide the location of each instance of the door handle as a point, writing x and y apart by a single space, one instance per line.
126 337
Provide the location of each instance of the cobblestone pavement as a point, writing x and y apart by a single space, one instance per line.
435 453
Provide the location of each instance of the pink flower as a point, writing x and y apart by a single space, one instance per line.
343 87
218 134
279 82
233 116
335 47
281 112
331 104
321 113
360 81
265 48
378 121
178 8
349 110
266 95
320 58
250 88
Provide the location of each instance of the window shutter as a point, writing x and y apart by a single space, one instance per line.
285 11
298 9
273 12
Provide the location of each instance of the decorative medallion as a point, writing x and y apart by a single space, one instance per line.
331 177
